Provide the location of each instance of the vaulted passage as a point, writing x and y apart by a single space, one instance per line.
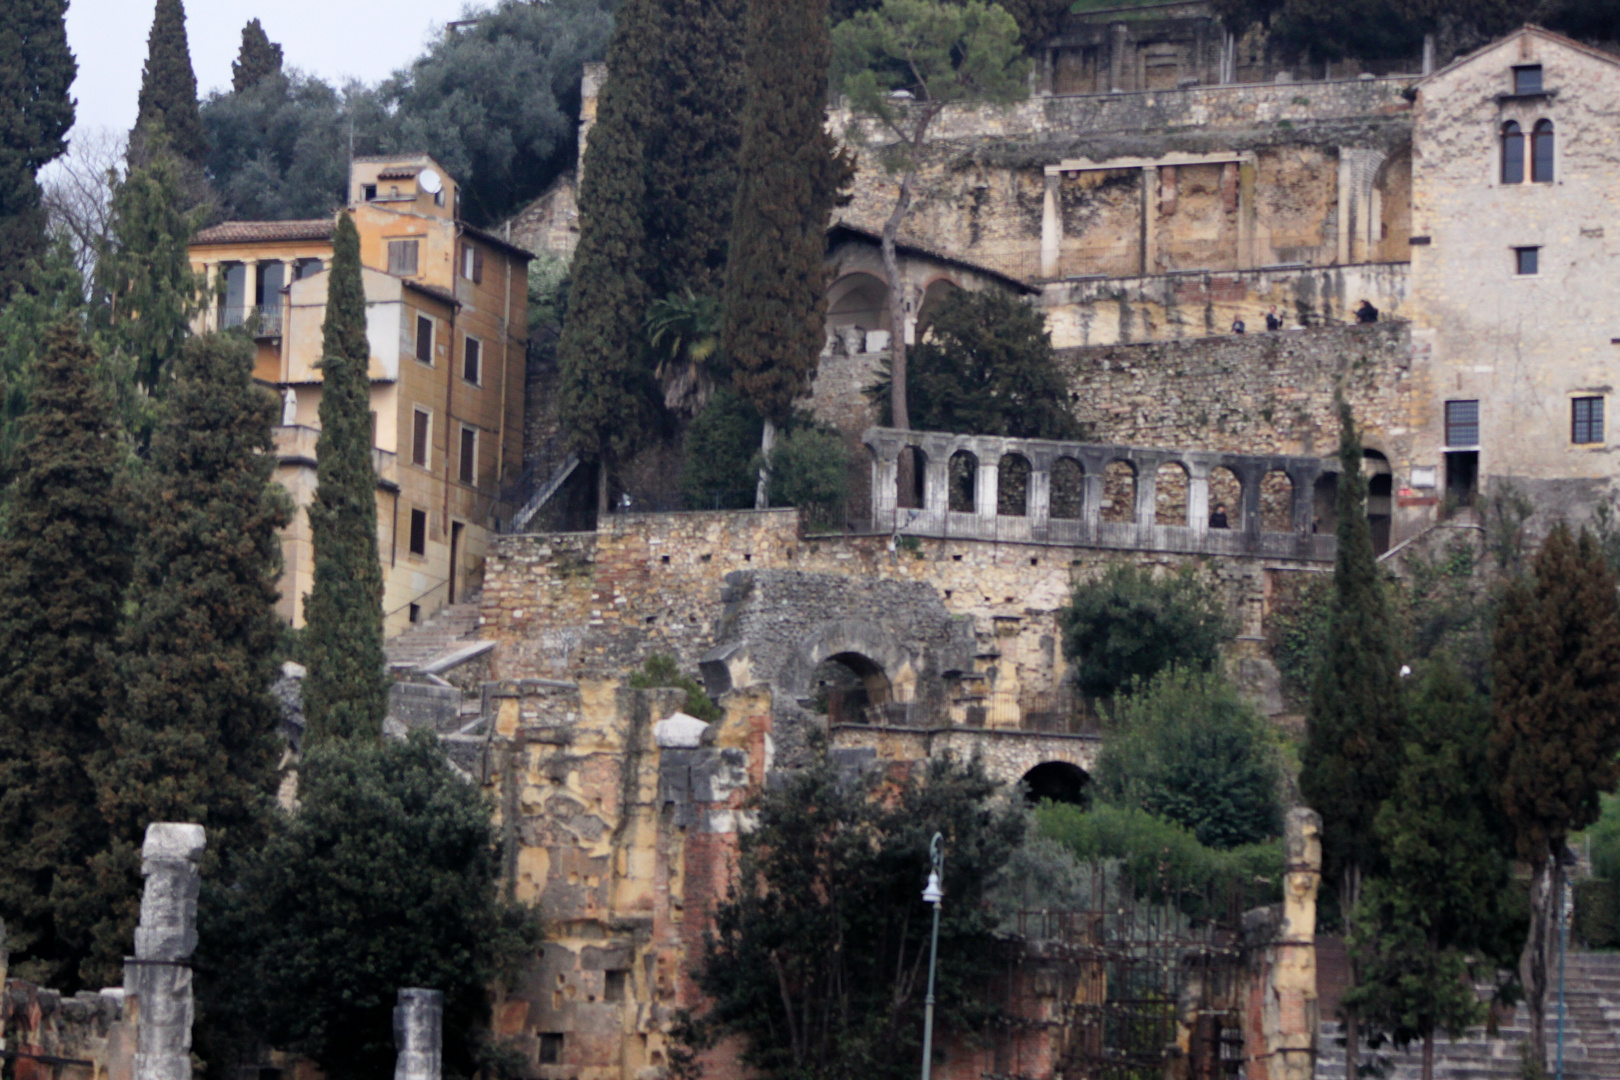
1058 781
848 685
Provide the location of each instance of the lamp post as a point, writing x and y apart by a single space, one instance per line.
932 894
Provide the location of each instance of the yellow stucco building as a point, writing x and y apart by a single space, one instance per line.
446 318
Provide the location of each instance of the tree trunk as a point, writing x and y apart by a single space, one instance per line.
900 412
601 489
1349 897
767 441
1428 1056
1533 963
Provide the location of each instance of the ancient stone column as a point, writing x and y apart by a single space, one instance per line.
418 1034
157 980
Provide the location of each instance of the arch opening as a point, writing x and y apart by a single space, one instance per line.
1057 781
1068 494
1119 492
933 296
858 312
1225 499
847 687
1276 502
1012 486
1541 152
963 482
1380 498
912 496
1170 494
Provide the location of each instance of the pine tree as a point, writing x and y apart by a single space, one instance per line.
1441 899
346 692
57 294
36 70
152 293
168 100
1556 668
259 59
1356 721
64 564
790 175
606 385
192 726
690 148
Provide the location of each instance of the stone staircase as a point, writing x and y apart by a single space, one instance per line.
1591 1035
445 631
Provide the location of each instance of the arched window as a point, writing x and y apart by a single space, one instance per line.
1541 156
1512 153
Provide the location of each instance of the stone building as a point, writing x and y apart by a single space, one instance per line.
446 321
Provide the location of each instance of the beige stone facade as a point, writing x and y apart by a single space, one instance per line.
446 313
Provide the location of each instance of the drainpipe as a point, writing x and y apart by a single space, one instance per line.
506 372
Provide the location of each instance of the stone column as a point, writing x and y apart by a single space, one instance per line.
1346 184
885 473
1052 227
1198 500
985 491
1116 57
1147 493
157 980
1293 978
418 1034
1040 496
1150 219
937 484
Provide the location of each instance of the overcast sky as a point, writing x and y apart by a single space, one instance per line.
335 39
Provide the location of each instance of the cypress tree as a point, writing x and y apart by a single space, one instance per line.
259 59
1355 721
790 174
192 729
64 564
606 382
690 149
168 100
346 692
36 70
1556 685
57 294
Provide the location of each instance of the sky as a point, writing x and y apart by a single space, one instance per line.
335 39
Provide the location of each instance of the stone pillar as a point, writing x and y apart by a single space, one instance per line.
1118 37
1147 491
1040 496
937 484
885 473
418 1034
1292 1030
1150 219
1052 227
1198 500
1246 216
157 980
985 491
1251 479
1346 185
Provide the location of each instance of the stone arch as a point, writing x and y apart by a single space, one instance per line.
963 481
1012 486
1119 491
858 302
1068 492
913 496
932 296
1225 497
1059 781
1380 497
848 687
1277 502
1170 494
875 657
1392 191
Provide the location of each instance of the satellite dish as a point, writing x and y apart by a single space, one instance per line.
428 180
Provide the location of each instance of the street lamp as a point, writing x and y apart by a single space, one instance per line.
932 894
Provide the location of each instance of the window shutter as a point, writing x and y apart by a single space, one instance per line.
419 439
477 265
402 258
424 339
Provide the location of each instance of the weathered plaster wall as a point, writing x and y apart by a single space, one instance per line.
1523 346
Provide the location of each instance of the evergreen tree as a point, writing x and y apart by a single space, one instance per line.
168 101
1442 898
690 150
57 294
986 368
346 692
790 175
152 294
1355 722
1129 625
192 727
1556 667
64 564
606 385
36 70
259 59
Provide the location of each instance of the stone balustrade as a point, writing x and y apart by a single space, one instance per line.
1140 532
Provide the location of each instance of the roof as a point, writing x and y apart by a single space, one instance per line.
430 290
906 245
1527 28
399 172
260 232
497 243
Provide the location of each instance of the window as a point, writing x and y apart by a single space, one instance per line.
551 1049
1541 152
368 192
402 257
472 357
1462 423
469 455
472 263
419 437
1512 153
418 532
1527 79
416 613
1527 260
424 340
1586 420
307 268
613 983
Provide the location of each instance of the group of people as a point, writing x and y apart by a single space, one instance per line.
1366 313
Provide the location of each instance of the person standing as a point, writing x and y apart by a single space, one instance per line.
1366 313
1237 324
1273 320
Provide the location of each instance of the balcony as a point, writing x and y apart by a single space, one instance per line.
295 445
262 322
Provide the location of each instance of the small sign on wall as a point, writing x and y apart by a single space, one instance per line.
1423 476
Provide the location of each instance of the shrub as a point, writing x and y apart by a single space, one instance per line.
810 470
720 446
1188 749
1130 625
659 670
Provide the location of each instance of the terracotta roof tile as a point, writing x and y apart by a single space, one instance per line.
248 232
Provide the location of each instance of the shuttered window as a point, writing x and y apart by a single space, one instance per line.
402 257
469 455
1462 423
424 339
419 437
472 359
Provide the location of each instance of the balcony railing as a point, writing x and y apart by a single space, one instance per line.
260 321
295 444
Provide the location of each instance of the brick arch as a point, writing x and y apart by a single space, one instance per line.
858 638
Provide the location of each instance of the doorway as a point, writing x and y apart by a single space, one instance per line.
455 557
1462 477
